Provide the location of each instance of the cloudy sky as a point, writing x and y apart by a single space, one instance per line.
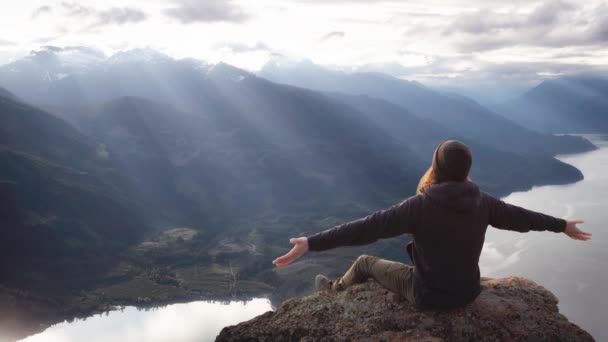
441 42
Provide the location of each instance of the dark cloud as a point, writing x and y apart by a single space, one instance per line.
335 34
600 25
111 16
551 24
486 21
120 16
41 10
549 13
192 11
487 43
482 22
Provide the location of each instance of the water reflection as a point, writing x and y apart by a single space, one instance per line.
573 270
195 321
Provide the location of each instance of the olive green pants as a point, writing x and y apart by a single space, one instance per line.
394 276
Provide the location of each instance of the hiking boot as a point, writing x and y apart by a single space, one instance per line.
322 283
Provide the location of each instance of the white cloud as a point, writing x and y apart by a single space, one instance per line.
334 34
6 42
434 41
41 10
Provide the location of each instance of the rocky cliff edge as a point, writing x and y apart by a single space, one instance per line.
508 309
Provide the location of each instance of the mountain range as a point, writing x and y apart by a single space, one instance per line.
575 104
65 206
462 115
103 155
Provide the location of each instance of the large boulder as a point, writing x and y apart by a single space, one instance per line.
508 309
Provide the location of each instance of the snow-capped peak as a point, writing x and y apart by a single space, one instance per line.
146 55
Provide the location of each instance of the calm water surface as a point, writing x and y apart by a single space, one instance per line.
575 271
195 321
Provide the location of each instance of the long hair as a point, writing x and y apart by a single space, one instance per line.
430 178
427 179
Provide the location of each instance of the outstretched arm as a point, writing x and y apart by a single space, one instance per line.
512 217
396 220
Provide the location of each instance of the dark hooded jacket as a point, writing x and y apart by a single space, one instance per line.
448 222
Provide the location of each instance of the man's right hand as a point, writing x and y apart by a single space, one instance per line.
576 233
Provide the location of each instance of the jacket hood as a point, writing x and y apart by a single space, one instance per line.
459 196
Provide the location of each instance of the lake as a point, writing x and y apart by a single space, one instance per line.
575 271
196 321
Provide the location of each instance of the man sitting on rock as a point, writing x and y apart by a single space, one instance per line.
447 218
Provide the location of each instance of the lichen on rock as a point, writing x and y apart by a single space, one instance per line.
508 309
